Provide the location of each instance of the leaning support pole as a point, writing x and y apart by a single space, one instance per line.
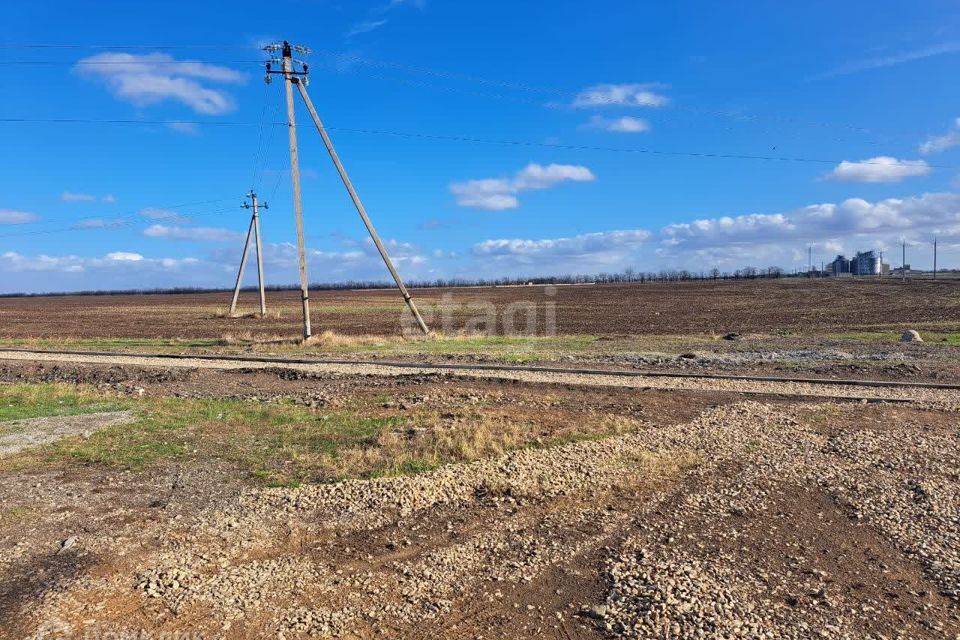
295 179
359 206
243 264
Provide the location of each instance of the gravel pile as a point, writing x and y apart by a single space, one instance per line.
901 482
907 483
675 568
742 358
680 597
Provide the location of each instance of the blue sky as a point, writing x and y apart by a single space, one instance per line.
485 138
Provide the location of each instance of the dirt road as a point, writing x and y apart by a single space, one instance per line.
946 397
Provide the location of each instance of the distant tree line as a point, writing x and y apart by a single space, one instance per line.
628 275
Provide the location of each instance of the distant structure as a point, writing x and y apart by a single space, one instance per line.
865 263
839 267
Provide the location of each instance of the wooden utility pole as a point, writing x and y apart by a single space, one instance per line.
299 78
934 258
254 228
903 263
289 74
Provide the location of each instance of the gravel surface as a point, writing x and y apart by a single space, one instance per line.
947 399
17 435
900 483
727 537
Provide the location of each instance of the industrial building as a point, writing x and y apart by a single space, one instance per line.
865 263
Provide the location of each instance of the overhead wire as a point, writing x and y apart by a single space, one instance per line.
469 139
351 58
259 148
123 220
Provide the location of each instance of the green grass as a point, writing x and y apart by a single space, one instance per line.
281 443
510 348
20 401
277 443
171 345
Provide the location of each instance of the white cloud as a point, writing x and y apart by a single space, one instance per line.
854 223
122 263
125 269
190 233
153 213
67 196
360 262
624 95
729 242
879 169
730 229
498 194
584 253
147 79
365 27
124 256
879 62
625 124
936 144
11 216
584 244
188 128
376 15
99 223
537 176
492 194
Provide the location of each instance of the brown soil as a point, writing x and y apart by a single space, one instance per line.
635 309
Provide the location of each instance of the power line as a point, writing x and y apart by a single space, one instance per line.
8 45
259 148
151 63
466 139
609 101
522 86
126 121
450 75
123 220
741 117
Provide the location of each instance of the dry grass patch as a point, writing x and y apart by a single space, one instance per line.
249 338
224 312
282 443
